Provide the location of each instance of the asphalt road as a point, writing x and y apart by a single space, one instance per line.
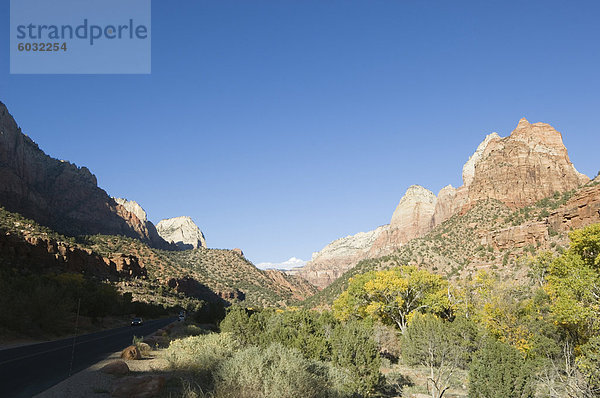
29 370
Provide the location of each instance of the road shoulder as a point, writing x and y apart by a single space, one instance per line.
91 382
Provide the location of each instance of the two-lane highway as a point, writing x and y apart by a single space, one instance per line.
29 370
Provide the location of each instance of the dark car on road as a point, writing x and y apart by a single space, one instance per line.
137 322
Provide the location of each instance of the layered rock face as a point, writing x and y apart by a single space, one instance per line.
528 234
519 170
468 173
181 231
338 257
529 165
581 210
133 207
450 200
56 193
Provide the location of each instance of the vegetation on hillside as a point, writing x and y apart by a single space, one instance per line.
219 270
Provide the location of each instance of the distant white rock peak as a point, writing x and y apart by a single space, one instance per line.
182 231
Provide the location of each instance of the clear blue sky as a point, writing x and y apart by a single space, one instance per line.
279 126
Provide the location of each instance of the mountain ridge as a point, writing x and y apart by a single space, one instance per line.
59 194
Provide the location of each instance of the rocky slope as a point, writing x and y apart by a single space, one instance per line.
26 246
226 273
182 232
59 194
519 170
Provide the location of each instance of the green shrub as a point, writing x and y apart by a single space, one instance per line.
353 348
499 371
588 363
315 336
245 325
440 346
306 331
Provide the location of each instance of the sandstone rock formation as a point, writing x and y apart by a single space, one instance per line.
47 254
338 257
181 231
519 236
468 172
56 193
133 207
581 210
145 225
449 201
529 165
412 218
519 170
131 352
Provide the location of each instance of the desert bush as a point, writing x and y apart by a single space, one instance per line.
194 330
201 355
275 372
306 331
201 351
315 336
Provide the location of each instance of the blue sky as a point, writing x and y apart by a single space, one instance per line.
279 126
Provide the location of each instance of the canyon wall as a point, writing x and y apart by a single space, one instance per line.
58 194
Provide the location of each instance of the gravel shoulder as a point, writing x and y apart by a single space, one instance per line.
91 382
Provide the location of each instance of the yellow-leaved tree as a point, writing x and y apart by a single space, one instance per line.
573 284
393 296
